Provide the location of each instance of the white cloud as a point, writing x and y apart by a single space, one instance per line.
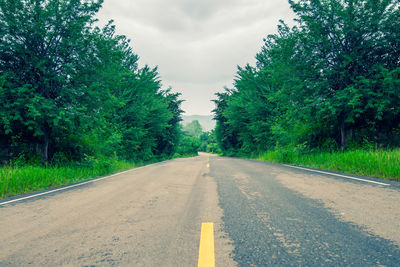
196 44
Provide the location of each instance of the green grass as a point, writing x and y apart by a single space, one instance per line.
373 163
16 180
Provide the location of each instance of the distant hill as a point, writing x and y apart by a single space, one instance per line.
206 122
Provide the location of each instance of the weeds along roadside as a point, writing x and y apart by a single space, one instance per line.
16 180
380 163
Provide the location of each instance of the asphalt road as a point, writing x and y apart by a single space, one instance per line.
263 214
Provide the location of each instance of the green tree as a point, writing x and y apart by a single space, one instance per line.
193 128
42 44
188 145
330 80
169 141
209 142
349 44
225 135
73 91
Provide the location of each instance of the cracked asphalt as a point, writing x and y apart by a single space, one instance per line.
264 215
272 225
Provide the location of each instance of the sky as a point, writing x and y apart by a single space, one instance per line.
196 44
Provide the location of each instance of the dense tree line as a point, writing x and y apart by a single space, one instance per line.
70 90
193 128
209 142
331 81
190 141
199 139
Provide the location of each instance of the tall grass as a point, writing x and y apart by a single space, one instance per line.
20 179
16 180
374 163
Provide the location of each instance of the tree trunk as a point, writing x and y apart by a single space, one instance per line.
346 134
45 149
37 148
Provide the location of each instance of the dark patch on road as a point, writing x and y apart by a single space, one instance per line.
272 225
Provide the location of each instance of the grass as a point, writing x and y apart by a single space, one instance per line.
373 163
15 180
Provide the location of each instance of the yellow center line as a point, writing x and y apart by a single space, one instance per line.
206 250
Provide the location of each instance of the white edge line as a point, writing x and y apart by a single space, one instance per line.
72 186
334 174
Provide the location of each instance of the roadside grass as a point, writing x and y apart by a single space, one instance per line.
378 163
15 180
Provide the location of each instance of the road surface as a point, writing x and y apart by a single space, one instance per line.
263 215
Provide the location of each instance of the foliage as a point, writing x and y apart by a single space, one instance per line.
193 129
189 142
188 146
200 140
209 142
71 91
374 163
332 81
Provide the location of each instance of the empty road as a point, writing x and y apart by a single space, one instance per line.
263 214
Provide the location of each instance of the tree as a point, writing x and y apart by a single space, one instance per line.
348 44
330 80
209 142
194 129
73 91
42 44
225 135
169 141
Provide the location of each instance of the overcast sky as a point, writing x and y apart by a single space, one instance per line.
197 44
